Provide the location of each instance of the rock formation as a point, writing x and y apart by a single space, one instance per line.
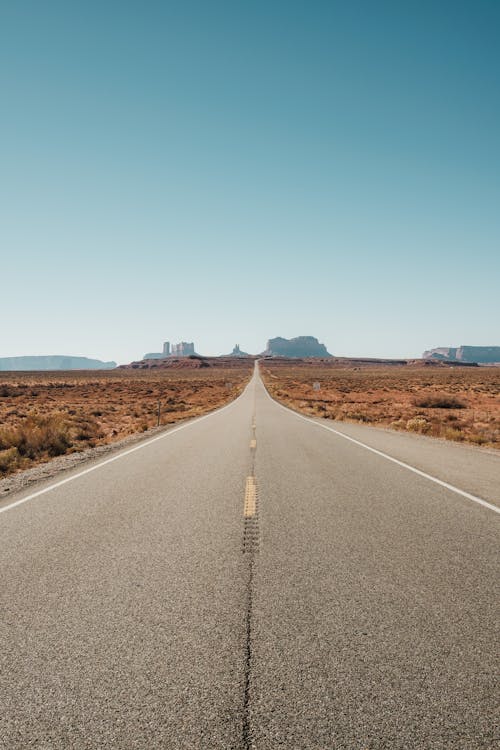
481 354
301 346
237 352
183 349
442 352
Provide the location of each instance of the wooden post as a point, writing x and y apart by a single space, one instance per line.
159 413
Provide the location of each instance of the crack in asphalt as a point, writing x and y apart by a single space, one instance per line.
247 729
250 547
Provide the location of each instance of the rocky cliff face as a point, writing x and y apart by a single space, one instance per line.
482 354
485 354
301 346
442 352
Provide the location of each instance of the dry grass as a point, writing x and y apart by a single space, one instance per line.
43 415
459 404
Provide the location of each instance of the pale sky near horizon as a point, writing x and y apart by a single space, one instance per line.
227 172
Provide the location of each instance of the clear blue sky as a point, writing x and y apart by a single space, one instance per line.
231 171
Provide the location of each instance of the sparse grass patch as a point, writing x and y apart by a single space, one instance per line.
451 433
418 424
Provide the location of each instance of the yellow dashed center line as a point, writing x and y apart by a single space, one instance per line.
253 443
250 498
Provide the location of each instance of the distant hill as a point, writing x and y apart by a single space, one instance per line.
301 346
53 362
481 354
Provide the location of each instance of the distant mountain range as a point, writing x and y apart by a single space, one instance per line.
480 354
298 347
53 362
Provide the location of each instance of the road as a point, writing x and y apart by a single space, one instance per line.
254 580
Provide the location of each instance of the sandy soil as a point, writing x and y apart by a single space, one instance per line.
454 403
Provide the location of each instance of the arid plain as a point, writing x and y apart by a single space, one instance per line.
454 403
48 414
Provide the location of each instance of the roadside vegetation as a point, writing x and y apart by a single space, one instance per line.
461 404
43 415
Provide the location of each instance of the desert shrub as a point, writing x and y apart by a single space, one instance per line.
450 433
87 428
398 424
8 460
37 436
83 433
439 401
7 437
478 439
418 424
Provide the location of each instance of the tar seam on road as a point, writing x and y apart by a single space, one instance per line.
122 454
250 547
246 729
423 474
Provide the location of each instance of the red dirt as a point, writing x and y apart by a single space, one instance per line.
456 403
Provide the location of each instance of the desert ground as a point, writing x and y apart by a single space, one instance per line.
48 414
455 403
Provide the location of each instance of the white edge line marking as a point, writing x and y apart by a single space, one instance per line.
122 454
474 498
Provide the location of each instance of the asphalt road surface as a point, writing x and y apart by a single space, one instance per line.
254 580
